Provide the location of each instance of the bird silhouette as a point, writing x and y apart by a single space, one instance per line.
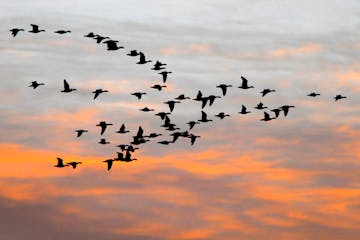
165 142
277 112
193 138
338 97
138 140
212 98
67 88
223 88
120 156
80 132
157 68
158 87
153 135
146 109
138 94
286 108
267 91
128 157
181 97
140 132
103 126
244 110
244 84
266 117
204 117
162 115
131 148
133 53
260 106
222 115
109 163
35 29
62 31
164 75
122 129
103 141
198 96
15 31
171 104
176 135
60 163
142 59
90 35
74 164
313 94
99 38
122 146
112 45
35 84
97 92
171 127
192 124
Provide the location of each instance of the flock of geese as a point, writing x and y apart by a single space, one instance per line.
127 150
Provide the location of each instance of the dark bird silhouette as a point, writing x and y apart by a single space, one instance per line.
133 53
223 88
244 110
277 112
266 91
120 156
338 97
60 163
212 99
313 94
90 35
171 127
157 68
142 59
266 117
109 163
193 138
122 129
122 146
112 45
103 141
35 29
99 38
35 84
138 94
138 140
165 142
181 97
128 157
15 31
80 132
140 132
164 75
146 109
260 106
286 108
131 148
244 84
192 124
171 104
222 115
162 115
74 164
67 88
153 135
62 31
97 92
203 102
176 135
158 87
103 126
198 96
204 117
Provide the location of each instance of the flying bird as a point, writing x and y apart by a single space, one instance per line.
266 91
193 138
103 141
222 115
140 133
171 104
286 108
204 117
338 97
223 88
244 110
266 117
128 157
146 109
211 99
158 87
244 84
120 156
260 106
103 126
67 88
138 94
60 163
15 31
90 35
109 163
162 115
277 112
313 94
99 38
97 92
122 129
153 135
35 29
133 53
164 75
142 59
80 132
165 142
74 164
112 45
181 97
192 124
62 31
35 84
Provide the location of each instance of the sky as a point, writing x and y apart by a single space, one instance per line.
295 177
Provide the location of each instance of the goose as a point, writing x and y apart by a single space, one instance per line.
90 35
103 126
122 129
158 87
97 92
112 45
176 135
164 75
60 163
67 88
142 59
138 94
80 132
103 141
133 53
244 110
313 94
157 68
244 84
192 124
140 133
338 97
99 38
223 88
171 127
74 164
286 108
120 156
35 29
266 91
146 109
62 31
35 84
260 106
222 115
266 117
165 142
198 96
171 104
15 31
181 97
128 157
204 117
153 135
211 99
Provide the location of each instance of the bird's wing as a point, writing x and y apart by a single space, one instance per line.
96 94
109 165
286 110
204 101
60 161
66 85
266 115
103 128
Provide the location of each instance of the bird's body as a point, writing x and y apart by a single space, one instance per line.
138 94
62 31
90 35
165 142
35 84
313 94
112 45
162 115
35 29
97 92
133 53
244 84
60 163
158 87
103 141
222 115
244 110
99 38
67 88
80 132
15 31
142 59
103 126
146 109
164 75
338 97
277 112
267 91
223 88
181 97
153 135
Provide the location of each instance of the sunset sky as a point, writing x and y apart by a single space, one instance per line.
293 178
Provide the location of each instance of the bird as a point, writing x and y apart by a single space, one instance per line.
122 129
175 135
277 112
165 142
112 45
192 124
122 146
109 163
133 53
171 104
97 92
74 164
62 31
211 99
164 75
181 97
67 88
158 87
193 138
244 84
266 117
198 96
128 157
157 68
103 126
171 127
286 108
130 148
35 29
338 97
204 117
15 31
60 163
162 115
140 132
244 110
80 132
138 94
153 135
313 94
99 38
223 88
222 115
120 156
266 91
137 140
103 141
260 106
146 109
90 35
35 84
142 59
